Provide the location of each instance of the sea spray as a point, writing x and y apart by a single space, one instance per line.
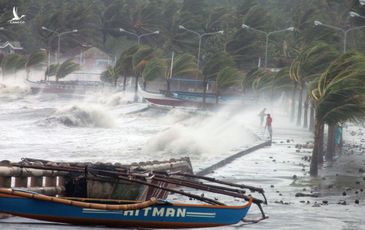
14 89
84 115
110 98
199 136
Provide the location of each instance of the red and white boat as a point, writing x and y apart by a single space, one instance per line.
186 99
164 100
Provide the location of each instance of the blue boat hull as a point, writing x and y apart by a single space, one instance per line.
156 216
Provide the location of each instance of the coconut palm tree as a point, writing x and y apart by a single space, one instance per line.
34 59
110 75
226 78
124 64
339 96
11 63
51 70
155 68
309 64
159 67
139 61
213 66
66 68
183 65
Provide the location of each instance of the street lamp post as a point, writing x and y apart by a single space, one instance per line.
138 36
345 32
200 35
59 38
267 34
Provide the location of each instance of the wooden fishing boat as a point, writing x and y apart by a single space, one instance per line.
74 178
149 214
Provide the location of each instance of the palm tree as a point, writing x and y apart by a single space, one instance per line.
66 68
11 63
309 64
155 68
34 59
260 81
51 70
110 75
213 66
124 64
338 96
139 61
226 78
183 65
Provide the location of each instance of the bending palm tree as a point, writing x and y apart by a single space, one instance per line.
11 64
124 65
183 65
226 78
110 75
339 96
34 59
66 68
308 65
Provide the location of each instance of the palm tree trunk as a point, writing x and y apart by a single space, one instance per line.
293 102
28 71
306 105
136 88
168 88
115 81
124 81
311 117
300 105
331 142
320 145
204 90
217 96
315 154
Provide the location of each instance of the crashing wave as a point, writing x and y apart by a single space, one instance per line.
82 116
13 90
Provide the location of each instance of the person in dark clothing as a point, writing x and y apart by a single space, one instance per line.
262 115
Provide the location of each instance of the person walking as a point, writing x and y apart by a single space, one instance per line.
268 125
262 115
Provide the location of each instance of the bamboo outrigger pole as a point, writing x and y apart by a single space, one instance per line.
130 179
175 181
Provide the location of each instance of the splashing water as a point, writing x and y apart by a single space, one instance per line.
82 116
200 137
13 89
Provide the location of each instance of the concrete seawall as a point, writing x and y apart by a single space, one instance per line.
232 158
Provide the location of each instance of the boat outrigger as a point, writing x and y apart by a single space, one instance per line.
151 213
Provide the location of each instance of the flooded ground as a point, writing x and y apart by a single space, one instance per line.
107 126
